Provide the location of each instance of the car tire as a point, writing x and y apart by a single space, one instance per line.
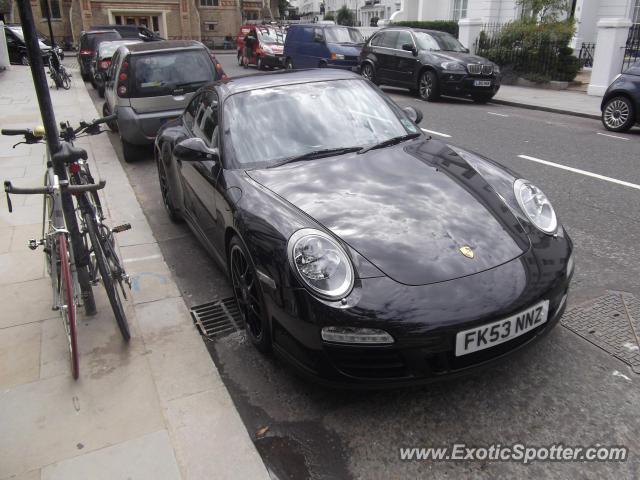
247 290
428 87
113 126
165 187
101 91
368 72
481 99
288 64
85 77
260 64
618 114
130 152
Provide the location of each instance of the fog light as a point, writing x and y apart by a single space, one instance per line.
371 336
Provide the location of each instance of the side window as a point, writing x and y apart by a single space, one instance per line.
111 73
191 111
307 34
206 120
376 40
403 39
318 35
390 39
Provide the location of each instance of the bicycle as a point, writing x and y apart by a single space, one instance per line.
57 72
56 241
97 236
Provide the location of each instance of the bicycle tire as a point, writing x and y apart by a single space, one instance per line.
66 80
68 311
107 279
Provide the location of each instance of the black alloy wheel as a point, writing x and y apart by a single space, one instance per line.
428 86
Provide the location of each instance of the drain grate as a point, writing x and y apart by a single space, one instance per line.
217 319
611 322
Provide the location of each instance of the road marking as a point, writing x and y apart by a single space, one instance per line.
436 133
582 172
141 259
498 114
612 136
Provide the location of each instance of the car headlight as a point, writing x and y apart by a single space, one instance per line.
536 206
496 68
453 66
320 263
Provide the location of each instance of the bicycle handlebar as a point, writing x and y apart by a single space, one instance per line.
13 131
94 123
90 187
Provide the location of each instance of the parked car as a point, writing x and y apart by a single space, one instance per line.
131 32
89 43
18 48
322 45
361 250
44 39
428 62
151 83
102 61
621 102
260 45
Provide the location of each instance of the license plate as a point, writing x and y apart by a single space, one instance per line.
495 333
482 83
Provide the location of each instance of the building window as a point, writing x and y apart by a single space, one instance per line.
459 9
54 5
208 3
210 26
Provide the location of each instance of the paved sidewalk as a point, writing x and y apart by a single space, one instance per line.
153 409
557 101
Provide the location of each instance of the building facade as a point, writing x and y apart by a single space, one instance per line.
206 20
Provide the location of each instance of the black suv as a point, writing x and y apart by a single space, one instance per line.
428 62
621 102
131 32
89 43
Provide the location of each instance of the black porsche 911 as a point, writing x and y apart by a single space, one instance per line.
359 249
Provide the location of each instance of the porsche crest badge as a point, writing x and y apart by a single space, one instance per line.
467 252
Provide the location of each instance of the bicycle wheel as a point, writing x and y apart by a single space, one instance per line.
66 79
68 309
108 274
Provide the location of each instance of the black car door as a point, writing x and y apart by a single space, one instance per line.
385 52
14 46
404 61
200 176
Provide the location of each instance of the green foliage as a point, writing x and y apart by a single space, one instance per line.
283 5
545 10
440 25
533 49
344 16
330 16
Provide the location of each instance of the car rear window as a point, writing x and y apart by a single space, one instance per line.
96 39
170 73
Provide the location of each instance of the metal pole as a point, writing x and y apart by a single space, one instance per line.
46 4
39 77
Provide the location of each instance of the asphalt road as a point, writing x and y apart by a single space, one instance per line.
562 390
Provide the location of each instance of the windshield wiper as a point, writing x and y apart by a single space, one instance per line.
325 152
391 141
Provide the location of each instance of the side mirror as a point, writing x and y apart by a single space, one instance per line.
409 48
414 115
318 39
466 50
194 149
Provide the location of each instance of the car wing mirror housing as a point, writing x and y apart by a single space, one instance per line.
414 114
194 149
409 48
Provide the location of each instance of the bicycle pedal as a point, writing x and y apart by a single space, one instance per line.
121 228
33 243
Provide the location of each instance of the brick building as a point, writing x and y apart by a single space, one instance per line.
206 20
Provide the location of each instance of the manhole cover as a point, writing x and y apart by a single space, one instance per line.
611 322
217 319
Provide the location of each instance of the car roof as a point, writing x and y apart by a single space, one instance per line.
163 46
279 78
402 27
97 32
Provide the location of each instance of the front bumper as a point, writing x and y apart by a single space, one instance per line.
454 83
274 61
423 320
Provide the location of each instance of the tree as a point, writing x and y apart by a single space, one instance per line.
330 16
545 10
345 16
283 6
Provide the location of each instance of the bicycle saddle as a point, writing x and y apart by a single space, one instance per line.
69 153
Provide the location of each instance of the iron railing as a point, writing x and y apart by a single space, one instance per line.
632 47
587 51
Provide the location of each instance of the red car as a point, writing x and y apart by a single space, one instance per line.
260 45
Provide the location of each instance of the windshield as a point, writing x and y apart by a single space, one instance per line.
271 36
20 35
162 73
438 41
343 35
311 117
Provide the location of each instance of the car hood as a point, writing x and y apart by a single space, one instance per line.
408 209
459 57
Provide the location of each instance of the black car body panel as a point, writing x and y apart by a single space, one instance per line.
89 43
627 85
422 303
403 68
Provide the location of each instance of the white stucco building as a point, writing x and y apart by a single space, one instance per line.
586 12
